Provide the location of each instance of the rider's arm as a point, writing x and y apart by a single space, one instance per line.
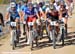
37 15
7 16
36 11
22 16
46 13
60 14
43 14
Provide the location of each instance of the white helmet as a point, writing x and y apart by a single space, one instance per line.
12 4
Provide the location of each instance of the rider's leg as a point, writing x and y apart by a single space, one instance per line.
28 32
17 21
18 31
23 29
71 7
35 27
11 39
65 21
18 24
49 29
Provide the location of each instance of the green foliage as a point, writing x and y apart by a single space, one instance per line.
5 1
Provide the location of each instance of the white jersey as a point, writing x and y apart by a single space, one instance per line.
56 6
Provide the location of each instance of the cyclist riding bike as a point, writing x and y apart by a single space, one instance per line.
31 17
24 16
41 17
63 14
51 15
13 15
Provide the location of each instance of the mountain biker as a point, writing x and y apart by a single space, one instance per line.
23 15
30 14
63 14
13 15
19 5
51 15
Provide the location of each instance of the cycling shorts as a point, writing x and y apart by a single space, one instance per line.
14 18
31 19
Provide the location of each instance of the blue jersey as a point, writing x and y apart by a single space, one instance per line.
28 12
31 12
23 8
13 14
18 7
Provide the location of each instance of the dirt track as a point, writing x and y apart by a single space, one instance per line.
69 47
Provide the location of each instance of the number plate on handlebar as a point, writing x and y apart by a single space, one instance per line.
13 23
24 22
30 23
53 23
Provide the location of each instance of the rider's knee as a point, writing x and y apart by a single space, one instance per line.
17 20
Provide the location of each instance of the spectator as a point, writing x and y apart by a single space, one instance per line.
1 22
1 19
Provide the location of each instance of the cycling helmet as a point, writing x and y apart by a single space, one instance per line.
30 4
12 4
40 4
35 4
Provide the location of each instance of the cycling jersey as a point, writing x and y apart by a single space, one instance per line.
13 14
29 13
24 8
19 7
49 11
64 11
56 6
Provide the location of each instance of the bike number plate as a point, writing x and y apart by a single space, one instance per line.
30 23
62 19
24 22
53 23
13 24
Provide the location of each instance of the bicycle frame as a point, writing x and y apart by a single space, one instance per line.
62 31
13 36
33 34
52 33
